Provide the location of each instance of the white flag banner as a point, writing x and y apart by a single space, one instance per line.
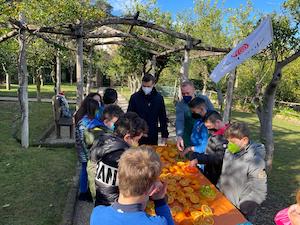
259 39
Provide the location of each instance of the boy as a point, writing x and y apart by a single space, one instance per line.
106 151
243 179
138 172
217 144
199 136
95 129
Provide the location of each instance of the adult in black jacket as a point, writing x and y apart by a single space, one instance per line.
106 151
150 106
216 146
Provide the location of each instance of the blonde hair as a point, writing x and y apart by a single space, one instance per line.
139 168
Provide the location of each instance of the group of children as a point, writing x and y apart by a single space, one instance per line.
123 177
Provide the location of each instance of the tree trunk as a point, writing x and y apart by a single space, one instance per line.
23 86
38 85
7 77
58 73
205 81
79 67
265 115
89 73
184 70
229 96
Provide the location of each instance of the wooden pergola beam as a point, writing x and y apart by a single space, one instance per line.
140 23
123 44
8 35
126 35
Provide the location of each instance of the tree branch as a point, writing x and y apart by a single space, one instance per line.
289 59
8 35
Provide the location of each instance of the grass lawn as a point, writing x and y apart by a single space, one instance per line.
34 182
47 91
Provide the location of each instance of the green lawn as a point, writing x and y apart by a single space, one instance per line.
47 91
34 182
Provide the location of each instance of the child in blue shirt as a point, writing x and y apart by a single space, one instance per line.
199 136
138 173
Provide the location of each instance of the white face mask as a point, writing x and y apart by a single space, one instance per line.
147 90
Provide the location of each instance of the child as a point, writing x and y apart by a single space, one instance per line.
106 152
243 180
290 215
89 106
97 128
199 136
217 144
138 172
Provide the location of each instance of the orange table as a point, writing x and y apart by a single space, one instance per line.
224 213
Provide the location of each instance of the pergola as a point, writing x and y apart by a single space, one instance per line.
85 35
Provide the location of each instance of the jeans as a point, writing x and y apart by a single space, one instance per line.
83 179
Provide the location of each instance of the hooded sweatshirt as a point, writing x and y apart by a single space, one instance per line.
243 175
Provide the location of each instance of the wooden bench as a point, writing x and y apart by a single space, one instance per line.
61 121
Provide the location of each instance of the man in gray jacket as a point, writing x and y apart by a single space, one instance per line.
243 179
184 121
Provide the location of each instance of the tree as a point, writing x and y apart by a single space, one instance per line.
284 50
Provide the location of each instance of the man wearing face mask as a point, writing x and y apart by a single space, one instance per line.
150 106
184 121
106 151
243 180
216 146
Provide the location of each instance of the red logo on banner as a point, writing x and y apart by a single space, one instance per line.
241 49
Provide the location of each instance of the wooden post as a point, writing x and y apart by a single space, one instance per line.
229 96
58 72
23 85
153 66
7 77
79 65
89 73
38 84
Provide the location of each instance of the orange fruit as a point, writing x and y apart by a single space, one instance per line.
206 210
184 182
180 216
170 199
188 189
191 169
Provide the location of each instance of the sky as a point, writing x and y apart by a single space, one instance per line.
175 6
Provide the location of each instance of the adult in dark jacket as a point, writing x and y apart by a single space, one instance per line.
214 153
106 152
150 106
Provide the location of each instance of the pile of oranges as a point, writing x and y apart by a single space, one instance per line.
183 190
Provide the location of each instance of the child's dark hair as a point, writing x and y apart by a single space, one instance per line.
130 123
110 96
82 110
111 111
148 77
91 107
237 130
197 101
212 116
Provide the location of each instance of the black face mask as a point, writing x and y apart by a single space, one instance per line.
212 130
196 116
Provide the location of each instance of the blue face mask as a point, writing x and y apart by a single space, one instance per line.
187 99
112 127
